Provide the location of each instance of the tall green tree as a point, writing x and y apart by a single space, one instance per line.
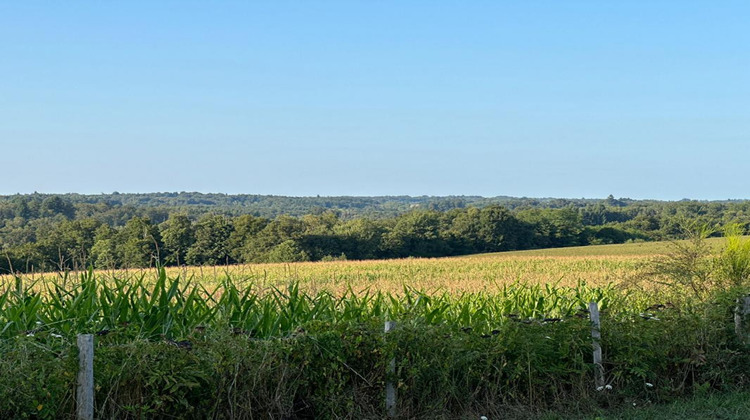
178 236
555 227
417 234
211 244
281 229
55 205
139 243
361 238
68 245
240 242
104 252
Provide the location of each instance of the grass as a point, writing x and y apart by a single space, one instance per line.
725 406
627 249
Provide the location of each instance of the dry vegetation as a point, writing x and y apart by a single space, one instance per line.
596 265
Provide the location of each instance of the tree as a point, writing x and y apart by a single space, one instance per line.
240 242
138 243
361 238
554 227
178 236
501 231
103 252
319 239
489 229
279 230
21 208
287 251
68 245
55 205
417 234
211 241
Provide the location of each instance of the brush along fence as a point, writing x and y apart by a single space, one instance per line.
397 361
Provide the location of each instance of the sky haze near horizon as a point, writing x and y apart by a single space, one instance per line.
540 99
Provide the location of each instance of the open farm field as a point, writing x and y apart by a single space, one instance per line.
633 249
453 275
595 265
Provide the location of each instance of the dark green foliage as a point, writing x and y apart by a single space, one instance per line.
444 369
104 252
178 235
608 235
246 227
67 232
326 369
138 243
417 234
68 245
37 377
211 244
489 229
555 227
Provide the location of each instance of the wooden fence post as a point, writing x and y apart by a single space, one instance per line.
85 391
390 388
740 312
596 336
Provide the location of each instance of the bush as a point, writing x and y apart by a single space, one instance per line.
734 261
337 370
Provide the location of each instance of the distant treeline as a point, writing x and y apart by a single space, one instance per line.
41 232
159 205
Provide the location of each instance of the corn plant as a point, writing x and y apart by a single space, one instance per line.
157 305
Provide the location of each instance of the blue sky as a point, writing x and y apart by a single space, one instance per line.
640 99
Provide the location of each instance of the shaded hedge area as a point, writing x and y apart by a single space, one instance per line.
327 370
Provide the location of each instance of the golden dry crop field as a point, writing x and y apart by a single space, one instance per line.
595 265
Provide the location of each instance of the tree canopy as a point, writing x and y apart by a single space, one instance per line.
63 232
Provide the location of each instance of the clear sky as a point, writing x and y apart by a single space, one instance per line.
640 99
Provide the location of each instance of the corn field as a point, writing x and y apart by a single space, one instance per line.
476 335
155 304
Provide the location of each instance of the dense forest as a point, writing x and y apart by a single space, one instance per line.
42 232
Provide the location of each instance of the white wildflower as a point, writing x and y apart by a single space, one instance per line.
599 388
56 335
649 385
608 387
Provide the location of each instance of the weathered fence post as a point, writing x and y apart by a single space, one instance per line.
596 336
390 388
85 391
740 312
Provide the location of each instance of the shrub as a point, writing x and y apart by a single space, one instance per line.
734 261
